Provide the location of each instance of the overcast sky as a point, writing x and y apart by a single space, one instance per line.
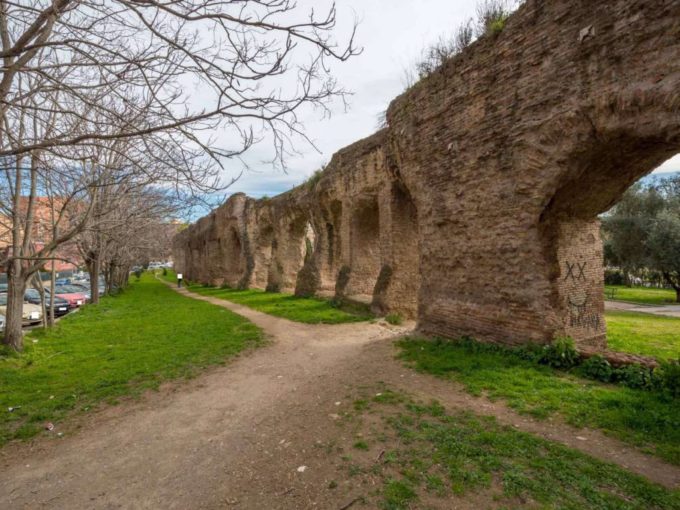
392 33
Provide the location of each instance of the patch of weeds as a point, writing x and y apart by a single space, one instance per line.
395 319
355 470
360 404
388 397
439 455
398 495
435 484
361 445
314 179
647 419
332 484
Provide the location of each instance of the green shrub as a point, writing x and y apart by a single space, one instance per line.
497 26
597 368
560 354
491 17
165 271
614 277
634 376
314 179
394 318
138 273
667 378
530 352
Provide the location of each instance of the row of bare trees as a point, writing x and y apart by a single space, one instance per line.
115 113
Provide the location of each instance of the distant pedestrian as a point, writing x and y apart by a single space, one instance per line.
179 280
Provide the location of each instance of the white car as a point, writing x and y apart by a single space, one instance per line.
2 322
32 314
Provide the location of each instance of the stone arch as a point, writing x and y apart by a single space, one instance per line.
593 179
308 279
398 286
364 250
329 246
234 260
263 250
289 248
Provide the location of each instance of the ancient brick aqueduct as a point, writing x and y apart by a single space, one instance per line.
475 210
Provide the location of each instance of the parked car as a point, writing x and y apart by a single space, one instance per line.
31 314
86 289
2 322
71 294
60 304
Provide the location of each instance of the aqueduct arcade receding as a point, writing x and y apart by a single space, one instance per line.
475 210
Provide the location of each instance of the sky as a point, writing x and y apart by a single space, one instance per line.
392 34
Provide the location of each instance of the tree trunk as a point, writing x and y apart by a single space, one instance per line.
107 278
673 282
94 267
37 282
53 284
16 286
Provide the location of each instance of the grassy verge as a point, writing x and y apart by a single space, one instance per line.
421 457
305 310
642 295
642 333
121 347
645 419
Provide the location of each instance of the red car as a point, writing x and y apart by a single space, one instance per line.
71 294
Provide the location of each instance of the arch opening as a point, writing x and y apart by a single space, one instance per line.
290 252
308 279
232 251
329 246
399 283
572 234
263 256
365 250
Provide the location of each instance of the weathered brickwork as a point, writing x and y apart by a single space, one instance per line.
475 210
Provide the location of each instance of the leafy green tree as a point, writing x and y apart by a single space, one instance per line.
663 244
642 232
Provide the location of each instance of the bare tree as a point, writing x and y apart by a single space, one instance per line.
253 63
100 95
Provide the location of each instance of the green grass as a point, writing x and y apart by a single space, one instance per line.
121 347
429 455
297 309
642 333
642 295
394 318
645 419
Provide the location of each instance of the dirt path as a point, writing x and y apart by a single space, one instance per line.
665 310
236 436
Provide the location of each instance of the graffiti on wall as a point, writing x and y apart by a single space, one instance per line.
575 271
582 313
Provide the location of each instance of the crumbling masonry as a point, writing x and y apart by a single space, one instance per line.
475 210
